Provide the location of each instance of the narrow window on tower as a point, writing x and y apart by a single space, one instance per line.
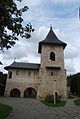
52 56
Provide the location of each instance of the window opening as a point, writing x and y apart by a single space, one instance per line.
52 56
10 75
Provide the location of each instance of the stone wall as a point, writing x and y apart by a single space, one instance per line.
41 81
52 83
22 81
45 56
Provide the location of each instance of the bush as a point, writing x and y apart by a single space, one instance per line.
58 98
77 102
50 98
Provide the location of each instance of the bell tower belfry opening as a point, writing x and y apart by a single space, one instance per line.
52 73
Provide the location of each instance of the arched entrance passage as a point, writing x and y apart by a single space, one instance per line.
15 93
30 93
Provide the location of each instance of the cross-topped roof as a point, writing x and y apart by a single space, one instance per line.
51 38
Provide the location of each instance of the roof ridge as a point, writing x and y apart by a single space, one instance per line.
19 65
26 63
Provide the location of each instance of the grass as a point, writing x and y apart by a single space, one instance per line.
62 103
77 102
5 110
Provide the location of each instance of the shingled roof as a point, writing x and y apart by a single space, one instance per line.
51 38
20 65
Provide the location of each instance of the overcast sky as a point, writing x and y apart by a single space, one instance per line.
64 17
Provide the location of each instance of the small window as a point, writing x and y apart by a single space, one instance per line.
10 75
51 73
17 72
29 73
52 56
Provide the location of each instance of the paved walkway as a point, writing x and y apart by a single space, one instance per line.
33 109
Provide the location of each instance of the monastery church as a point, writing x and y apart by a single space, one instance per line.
38 80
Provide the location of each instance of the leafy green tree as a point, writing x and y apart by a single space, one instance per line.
11 23
74 83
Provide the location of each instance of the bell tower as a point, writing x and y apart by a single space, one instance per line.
52 76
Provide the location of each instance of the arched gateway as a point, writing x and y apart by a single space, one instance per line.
30 93
15 93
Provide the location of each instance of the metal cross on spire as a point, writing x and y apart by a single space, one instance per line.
14 59
50 26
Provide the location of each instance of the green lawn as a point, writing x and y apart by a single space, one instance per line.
62 103
4 111
77 102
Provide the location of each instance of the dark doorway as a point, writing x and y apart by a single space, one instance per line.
56 97
30 93
15 93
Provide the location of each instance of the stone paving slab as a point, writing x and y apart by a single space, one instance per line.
24 108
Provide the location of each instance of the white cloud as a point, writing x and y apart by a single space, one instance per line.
69 64
27 50
65 1
71 52
29 3
24 50
67 30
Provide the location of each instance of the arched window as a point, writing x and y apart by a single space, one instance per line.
52 56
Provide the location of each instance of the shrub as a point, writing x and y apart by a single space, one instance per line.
50 98
58 98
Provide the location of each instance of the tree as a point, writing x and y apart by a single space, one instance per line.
74 81
11 23
3 78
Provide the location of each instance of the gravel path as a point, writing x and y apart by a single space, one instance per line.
33 109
